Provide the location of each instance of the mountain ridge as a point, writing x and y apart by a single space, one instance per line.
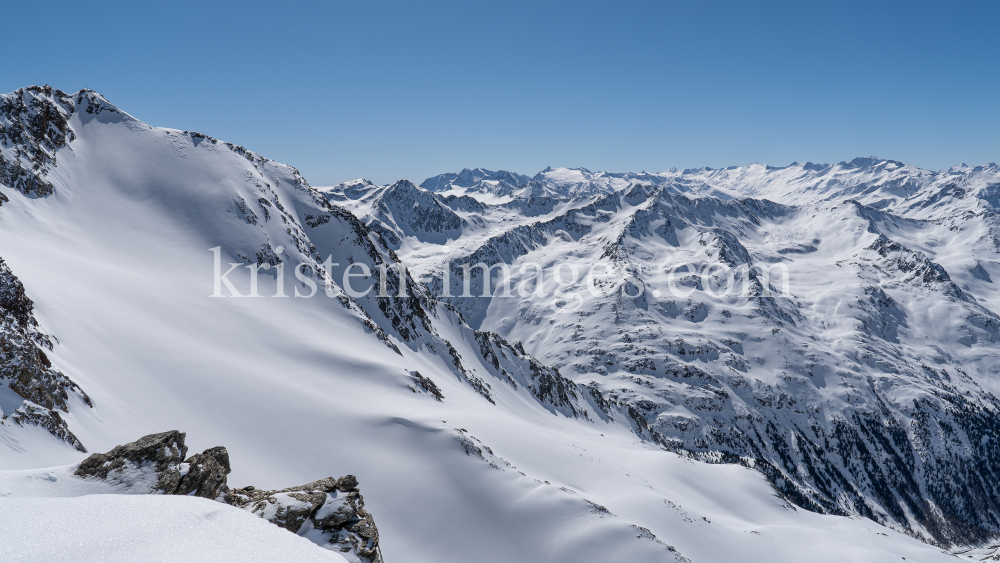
734 181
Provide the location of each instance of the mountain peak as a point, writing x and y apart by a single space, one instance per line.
871 162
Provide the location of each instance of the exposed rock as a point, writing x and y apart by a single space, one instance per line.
154 457
221 455
206 474
425 385
34 124
329 512
156 464
13 300
26 370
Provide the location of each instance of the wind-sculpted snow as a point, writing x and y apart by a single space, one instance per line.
845 363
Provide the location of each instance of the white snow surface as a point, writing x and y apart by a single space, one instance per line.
131 528
51 515
118 264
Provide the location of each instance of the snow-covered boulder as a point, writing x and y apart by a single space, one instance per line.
329 512
157 463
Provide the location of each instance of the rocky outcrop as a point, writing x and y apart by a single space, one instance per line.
26 370
206 474
157 463
329 512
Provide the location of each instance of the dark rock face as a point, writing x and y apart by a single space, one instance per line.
334 508
206 474
35 120
426 385
26 370
13 300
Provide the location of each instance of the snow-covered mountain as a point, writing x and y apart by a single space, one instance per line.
864 383
157 279
551 182
873 181
500 183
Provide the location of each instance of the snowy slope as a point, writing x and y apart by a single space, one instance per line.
116 528
515 462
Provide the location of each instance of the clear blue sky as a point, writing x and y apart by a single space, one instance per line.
387 89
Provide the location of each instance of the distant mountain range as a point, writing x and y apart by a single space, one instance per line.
794 183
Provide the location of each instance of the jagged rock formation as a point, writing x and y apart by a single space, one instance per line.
330 512
549 183
422 384
32 128
26 371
